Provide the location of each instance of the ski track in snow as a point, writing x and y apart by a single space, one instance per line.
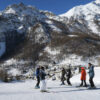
25 90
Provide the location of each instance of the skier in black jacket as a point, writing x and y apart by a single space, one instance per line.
63 72
68 75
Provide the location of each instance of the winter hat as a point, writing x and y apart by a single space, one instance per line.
89 63
82 68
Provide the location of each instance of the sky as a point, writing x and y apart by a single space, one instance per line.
55 6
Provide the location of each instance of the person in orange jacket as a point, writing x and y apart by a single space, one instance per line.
83 77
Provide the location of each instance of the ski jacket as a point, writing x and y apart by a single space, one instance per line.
68 73
42 74
63 72
91 71
37 72
83 74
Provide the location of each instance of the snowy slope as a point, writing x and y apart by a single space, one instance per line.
26 91
86 16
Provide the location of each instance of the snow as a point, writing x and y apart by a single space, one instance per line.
73 35
97 1
29 73
14 62
10 10
14 72
49 22
52 52
76 60
10 62
21 29
25 90
53 26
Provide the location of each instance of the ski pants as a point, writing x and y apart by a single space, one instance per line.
38 81
91 82
62 79
43 85
83 82
68 81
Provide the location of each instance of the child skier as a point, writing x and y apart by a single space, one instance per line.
42 77
83 77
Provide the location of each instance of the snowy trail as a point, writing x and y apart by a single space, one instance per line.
26 91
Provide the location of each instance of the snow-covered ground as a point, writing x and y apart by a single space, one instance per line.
52 52
25 90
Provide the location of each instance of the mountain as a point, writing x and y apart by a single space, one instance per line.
31 37
16 21
84 18
24 33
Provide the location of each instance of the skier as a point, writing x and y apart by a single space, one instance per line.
68 74
91 75
83 77
63 72
42 77
38 77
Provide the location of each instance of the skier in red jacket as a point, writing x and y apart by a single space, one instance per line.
83 77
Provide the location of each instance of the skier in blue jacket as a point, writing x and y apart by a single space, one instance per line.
38 77
91 75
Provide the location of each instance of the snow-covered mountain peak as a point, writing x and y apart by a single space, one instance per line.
20 17
88 9
21 9
87 15
97 1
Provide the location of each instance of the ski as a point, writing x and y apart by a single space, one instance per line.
92 88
